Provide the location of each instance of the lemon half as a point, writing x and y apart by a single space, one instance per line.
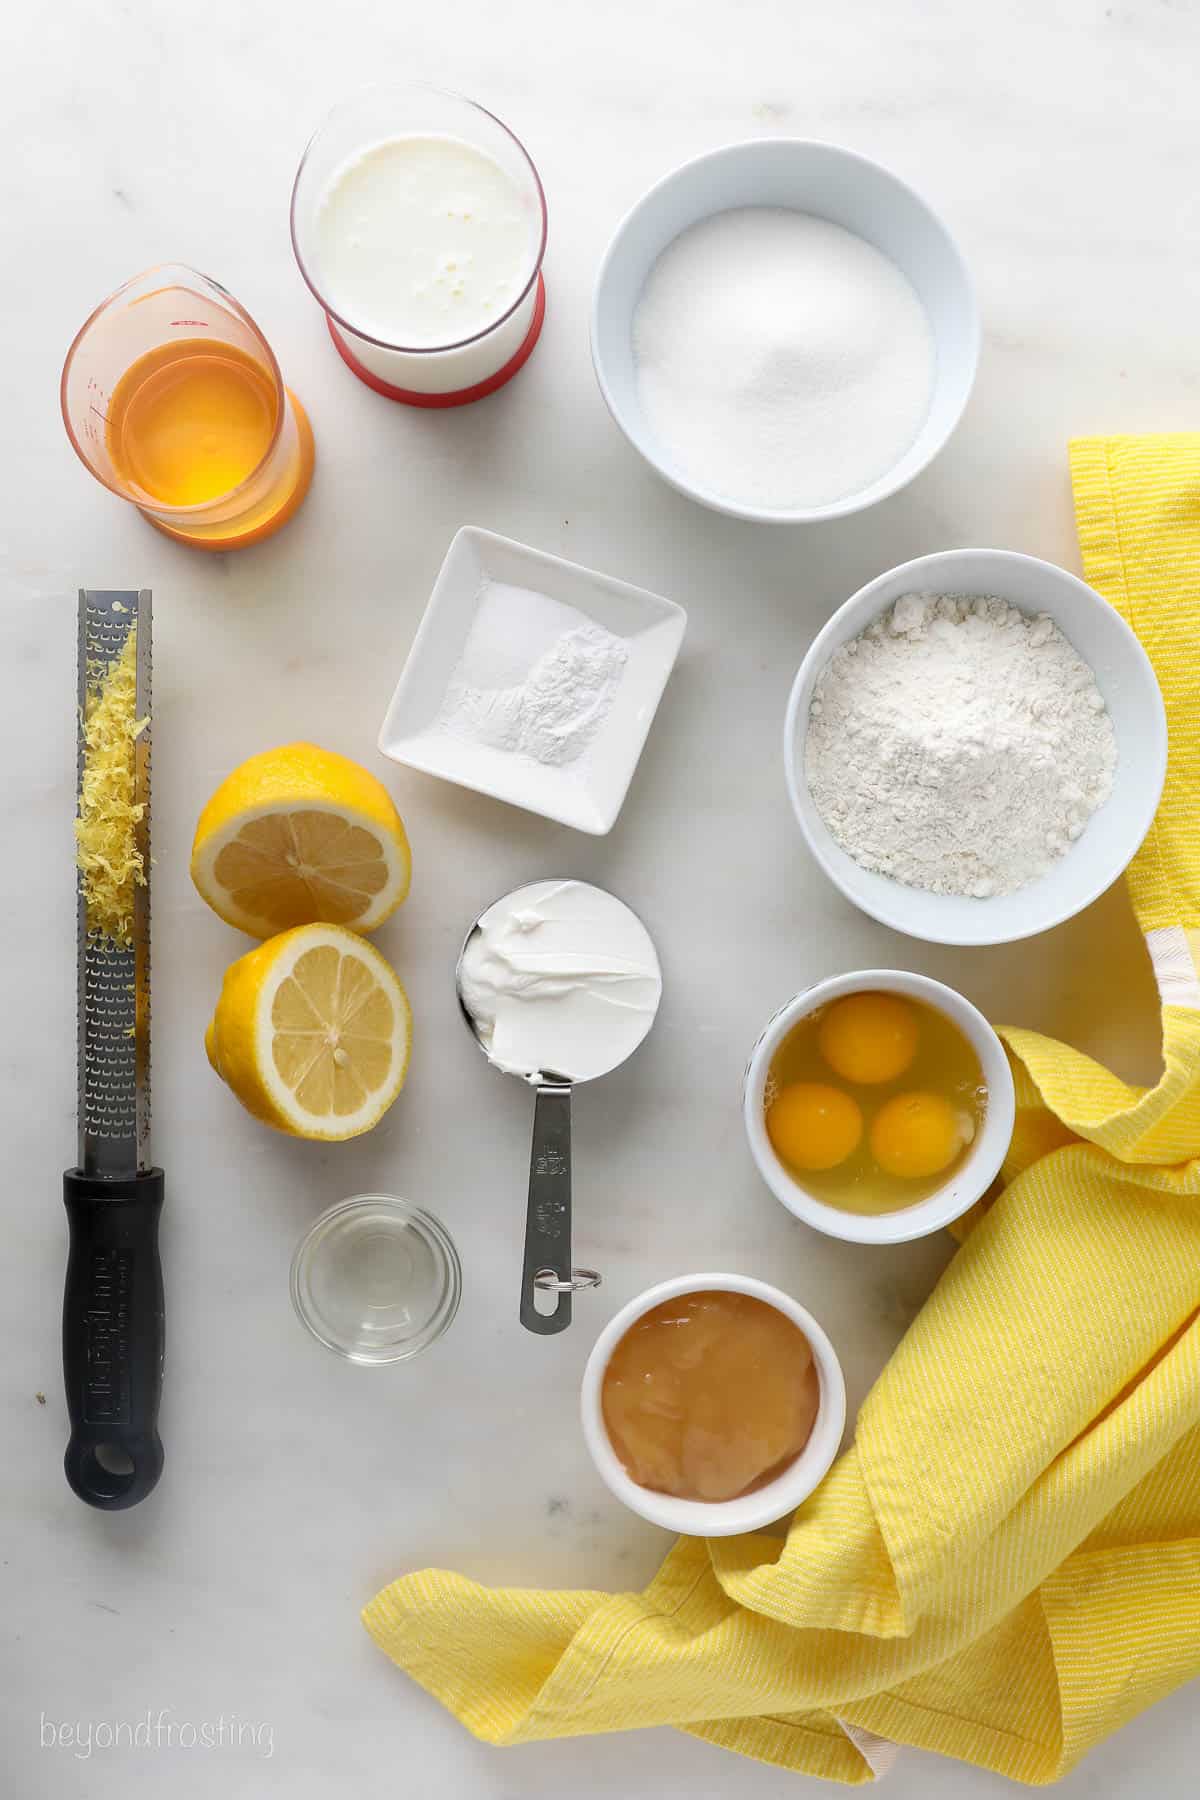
297 835
313 1032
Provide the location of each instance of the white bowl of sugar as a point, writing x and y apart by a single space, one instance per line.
784 330
1030 727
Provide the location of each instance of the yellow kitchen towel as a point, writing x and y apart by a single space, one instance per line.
1005 1566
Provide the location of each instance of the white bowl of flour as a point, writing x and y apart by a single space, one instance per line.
967 743
784 330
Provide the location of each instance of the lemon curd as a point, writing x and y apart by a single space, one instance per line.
710 1396
873 1101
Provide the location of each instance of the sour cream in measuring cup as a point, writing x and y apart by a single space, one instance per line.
419 223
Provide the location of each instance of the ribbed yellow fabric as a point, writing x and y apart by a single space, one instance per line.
1006 1564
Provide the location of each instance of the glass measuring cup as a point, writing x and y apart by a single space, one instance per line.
547 1260
430 375
160 328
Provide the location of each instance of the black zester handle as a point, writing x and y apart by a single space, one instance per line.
113 1336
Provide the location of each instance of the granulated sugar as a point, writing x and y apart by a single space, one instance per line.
782 361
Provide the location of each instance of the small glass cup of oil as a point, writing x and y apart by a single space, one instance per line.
173 400
879 1105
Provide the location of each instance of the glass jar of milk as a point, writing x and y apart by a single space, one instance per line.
419 223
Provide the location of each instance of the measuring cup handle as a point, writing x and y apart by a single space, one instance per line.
548 1216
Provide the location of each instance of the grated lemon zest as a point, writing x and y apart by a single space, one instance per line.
110 863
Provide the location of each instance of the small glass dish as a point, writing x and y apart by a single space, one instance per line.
376 1279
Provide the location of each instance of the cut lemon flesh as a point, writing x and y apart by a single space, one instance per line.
292 868
313 1032
300 835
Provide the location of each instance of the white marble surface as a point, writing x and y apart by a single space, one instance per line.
1059 142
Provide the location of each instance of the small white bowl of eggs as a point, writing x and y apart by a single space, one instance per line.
878 1106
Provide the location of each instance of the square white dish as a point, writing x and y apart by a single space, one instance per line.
588 792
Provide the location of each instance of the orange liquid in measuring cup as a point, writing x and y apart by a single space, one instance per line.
190 420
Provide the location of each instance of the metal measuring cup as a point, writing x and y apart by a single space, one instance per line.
547 1263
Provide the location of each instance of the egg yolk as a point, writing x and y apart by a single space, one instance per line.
813 1126
916 1134
869 1037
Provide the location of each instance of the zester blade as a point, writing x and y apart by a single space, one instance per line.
114 979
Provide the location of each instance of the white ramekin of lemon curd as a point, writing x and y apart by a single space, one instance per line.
713 1404
879 1106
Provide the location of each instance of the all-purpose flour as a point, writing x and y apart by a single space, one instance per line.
782 361
958 745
